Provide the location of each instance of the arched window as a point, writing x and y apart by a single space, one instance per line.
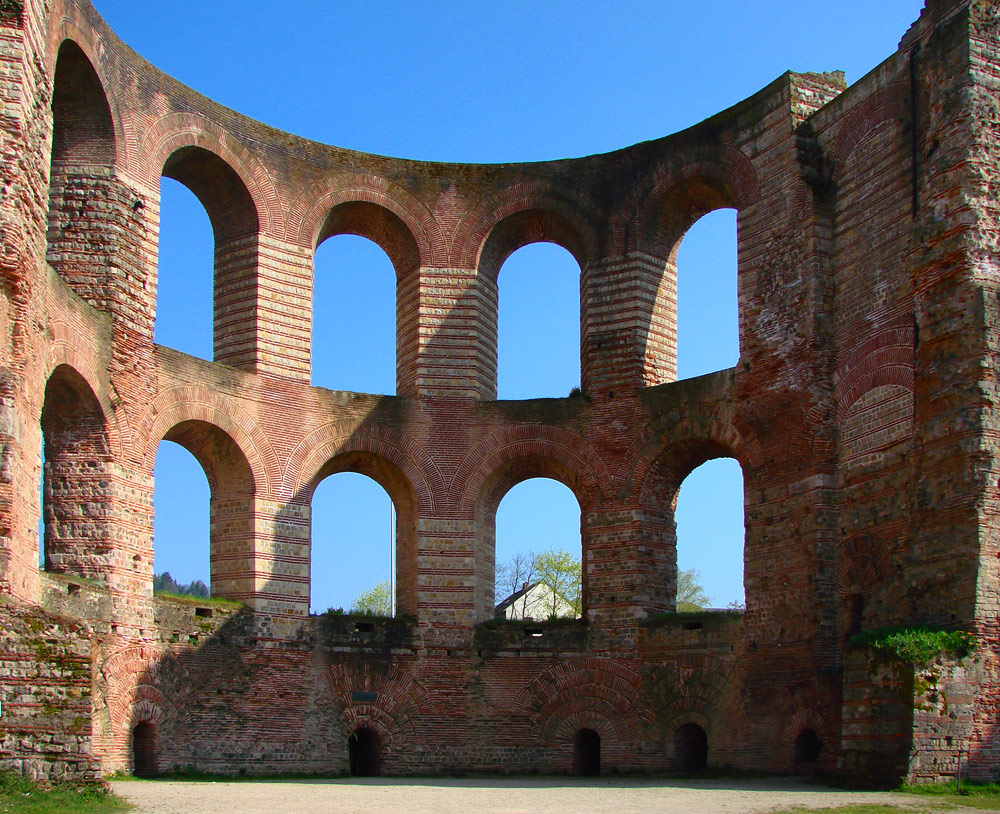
356 285
538 570
354 316
710 534
233 273
185 272
353 545
192 521
181 536
538 333
707 312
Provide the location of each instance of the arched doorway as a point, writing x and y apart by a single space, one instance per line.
363 750
586 753
144 750
690 748
807 748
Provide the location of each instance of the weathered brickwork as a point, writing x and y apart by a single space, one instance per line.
863 412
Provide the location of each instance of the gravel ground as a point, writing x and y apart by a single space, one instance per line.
503 796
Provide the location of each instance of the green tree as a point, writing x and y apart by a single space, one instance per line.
561 571
376 601
690 595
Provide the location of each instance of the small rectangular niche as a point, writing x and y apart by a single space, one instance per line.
72 588
364 627
205 612
692 626
534 632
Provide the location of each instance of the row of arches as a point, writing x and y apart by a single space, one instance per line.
83 131
79 471
364 751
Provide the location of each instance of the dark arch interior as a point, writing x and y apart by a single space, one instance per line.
74 440
82 129
363 750
144 750
807 749
586 753
690 748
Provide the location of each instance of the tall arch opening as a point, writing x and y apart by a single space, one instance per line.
354 316
364 749
352 562
184 272
144 750
690 748
81 196
363 275
181 524
538 323
693 524
707 311
363 534
77 484
235 225
538 551
704 284
586 753
540 299
710 533
230 493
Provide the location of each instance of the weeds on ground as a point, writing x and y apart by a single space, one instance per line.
984 796
18 795
855 808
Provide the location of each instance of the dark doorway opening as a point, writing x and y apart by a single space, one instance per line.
586 753
363 749
690 748
144 750
807 749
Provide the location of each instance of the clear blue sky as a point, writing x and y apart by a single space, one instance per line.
485 82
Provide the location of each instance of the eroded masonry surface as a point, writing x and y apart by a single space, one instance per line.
862 411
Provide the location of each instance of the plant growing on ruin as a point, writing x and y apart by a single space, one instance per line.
917 645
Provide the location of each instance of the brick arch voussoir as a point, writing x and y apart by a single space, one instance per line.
581 212
398 697
713 425
101 59
195 403
590 692
341 437
886 104
72 350
530 440
308 212
732 168
144 685
174 131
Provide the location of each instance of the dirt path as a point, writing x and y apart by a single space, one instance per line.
502 796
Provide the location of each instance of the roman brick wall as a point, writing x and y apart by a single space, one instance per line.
859 412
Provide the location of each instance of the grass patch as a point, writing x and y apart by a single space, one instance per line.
207 601
855 808
918 645
18 795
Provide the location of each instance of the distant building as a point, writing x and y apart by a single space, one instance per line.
534 601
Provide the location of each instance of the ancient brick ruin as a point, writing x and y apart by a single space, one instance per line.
863 412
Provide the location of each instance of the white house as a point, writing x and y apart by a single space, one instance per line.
534 602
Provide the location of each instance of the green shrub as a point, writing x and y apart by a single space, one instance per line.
917 645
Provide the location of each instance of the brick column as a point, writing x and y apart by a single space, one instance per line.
628 323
